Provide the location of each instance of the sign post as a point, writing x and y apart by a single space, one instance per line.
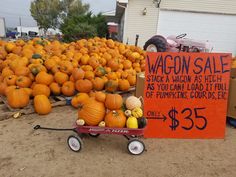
185 94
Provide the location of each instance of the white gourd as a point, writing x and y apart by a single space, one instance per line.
133 102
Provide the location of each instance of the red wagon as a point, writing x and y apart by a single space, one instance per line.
135 146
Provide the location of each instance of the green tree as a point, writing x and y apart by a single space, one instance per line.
46 13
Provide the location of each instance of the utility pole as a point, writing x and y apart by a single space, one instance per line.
20 27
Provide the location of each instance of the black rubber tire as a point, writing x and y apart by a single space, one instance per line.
79 141
158 41
94 135
135 140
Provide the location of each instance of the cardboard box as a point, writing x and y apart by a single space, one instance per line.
140 84
232 99
233 72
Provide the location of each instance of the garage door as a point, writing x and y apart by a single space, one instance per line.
219 30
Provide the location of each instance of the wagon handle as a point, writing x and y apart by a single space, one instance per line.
36 127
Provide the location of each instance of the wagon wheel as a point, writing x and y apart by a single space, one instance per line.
94 134
75 143
135 147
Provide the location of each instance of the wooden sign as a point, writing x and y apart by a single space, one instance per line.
186 94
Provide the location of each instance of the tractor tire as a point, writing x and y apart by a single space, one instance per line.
156 44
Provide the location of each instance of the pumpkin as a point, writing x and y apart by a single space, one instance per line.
113 101
42 104
92 112
9 89
55 88
115 119
49 63
3 87
23 81
131 79
133 102
89 75
11 80
78 73
132 122
84 86
66 67
61 77
40 89
98 83
29 91
36 56
123 85
68 88
17 98
44 78
111 85
79 99
100 96
102 124
112 76
142 122
7 72
93 61
100 71
137 112
22 71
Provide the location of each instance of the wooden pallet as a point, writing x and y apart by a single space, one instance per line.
6 111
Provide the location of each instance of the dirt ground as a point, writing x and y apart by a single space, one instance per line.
28 153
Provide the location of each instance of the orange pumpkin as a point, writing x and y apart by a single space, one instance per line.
29 91
61 77
131 79
3 87
78 73
113 64
9 89
50 63
40 89
100 71
111 86
55 69
100 96
123 85
79 99
66 67
89 75
11 80
115 119
98 83
42 105
68 88
92 112
93 61
55 88
22 71
112 76
18 98
23 81
113 101
7 72
127 64
44 78
84 86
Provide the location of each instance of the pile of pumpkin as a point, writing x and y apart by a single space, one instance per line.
42 67
109 110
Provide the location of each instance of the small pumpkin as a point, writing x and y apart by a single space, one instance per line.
44 78
115 119
42 104
9 89
79 99
40 89
55 88
100 96
113 101
132 122
80 122
7 72
111 86
102 124
84 86
133 102
123 85
98 84
3 87
36 56
131 79
142 122
100 71
137 112
61 77
22 71
89 75
23 81
68 88
78 73
92 112
128 113
18 98
11 80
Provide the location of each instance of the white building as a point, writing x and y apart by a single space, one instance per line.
208 20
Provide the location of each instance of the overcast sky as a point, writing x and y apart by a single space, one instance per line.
13 9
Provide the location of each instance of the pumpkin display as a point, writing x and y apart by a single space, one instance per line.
115 119
44 78
113 101
79 99
132 122
40 89
133 102
55 88
92 112
84 86
68 88
17 98
42 104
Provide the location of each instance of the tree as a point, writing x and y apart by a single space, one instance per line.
46 13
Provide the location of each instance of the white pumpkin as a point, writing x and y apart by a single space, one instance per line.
133 102
80 122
